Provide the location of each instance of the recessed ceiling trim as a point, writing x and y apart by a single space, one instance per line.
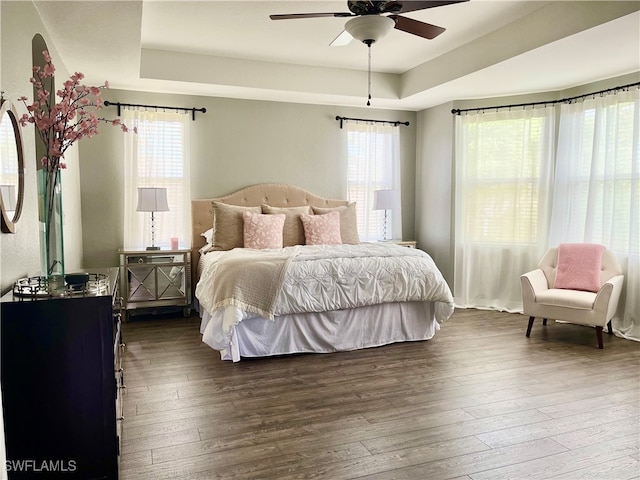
527 34
205 69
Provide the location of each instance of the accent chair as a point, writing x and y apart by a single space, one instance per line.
576 283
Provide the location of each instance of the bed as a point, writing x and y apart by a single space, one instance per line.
298 298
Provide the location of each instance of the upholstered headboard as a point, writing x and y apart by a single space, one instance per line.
274 194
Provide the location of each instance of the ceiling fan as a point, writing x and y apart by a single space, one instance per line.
372 19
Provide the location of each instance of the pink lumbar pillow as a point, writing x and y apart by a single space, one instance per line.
579 266
263 231
322 229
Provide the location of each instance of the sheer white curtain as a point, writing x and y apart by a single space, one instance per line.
503 177
597 188
373 152
157 156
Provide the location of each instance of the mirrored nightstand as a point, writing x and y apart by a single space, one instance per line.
155 278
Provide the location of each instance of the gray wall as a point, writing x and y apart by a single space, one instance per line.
434 194
20 252
435 168
235 144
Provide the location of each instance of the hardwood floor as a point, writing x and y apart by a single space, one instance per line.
479 401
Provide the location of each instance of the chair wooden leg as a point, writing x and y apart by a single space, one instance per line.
531 319
599 335
544 321
609 328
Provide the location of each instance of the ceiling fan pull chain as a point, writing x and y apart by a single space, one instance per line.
369 77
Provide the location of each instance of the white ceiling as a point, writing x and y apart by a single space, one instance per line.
231 48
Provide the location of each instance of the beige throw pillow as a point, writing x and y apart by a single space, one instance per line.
228 226
348 221
293 233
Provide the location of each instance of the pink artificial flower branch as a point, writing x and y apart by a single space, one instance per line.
68 120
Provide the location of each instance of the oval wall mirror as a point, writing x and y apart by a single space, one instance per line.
11 167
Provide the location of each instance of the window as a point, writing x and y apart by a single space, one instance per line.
500 177
373 164
504 217
158 156
503 177
597 188
598 185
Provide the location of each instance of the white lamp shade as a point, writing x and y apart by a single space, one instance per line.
369 28
9 196
152 199
386 200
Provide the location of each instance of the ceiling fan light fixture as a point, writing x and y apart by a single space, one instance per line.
369 28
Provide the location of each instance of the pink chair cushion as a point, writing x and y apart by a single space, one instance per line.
579 266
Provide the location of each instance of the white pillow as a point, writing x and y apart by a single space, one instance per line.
208 236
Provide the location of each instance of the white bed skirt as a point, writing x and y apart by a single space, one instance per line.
325 332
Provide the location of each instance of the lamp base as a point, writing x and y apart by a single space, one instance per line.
153 248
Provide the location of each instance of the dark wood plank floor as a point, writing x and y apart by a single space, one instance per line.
479 401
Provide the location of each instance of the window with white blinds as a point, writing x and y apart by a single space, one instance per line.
373 164
598 179
503 181
597 188
510 204
501 174
157 156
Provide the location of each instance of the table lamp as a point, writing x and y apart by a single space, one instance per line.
151 199
386 200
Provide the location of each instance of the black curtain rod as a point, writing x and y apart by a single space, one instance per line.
193 111
390 122
458 111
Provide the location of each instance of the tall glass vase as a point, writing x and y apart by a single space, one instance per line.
51 229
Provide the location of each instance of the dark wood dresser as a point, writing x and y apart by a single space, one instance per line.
61 374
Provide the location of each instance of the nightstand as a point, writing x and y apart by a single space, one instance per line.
405 243
402 243
155 278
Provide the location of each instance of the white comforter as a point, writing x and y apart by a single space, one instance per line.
324 278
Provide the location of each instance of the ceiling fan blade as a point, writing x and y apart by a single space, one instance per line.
412 6
415 27
341 40
289 16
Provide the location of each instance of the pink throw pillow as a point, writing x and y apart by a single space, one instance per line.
263 231
579 266
322 229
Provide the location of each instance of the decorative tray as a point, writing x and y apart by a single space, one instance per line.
75 285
